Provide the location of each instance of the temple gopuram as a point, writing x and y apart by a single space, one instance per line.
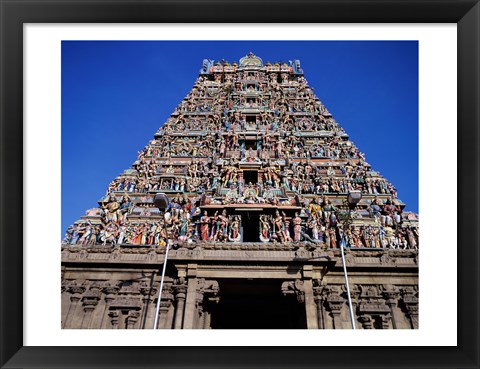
250 208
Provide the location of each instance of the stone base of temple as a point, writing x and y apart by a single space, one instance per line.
238 286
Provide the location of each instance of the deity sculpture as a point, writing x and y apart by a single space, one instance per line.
204 227
222 227
234 235
297 228
265 228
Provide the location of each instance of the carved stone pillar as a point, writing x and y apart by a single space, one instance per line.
114 316
366 321
206 295
207 320
391 294
412 313
148 310
385 320
132 318
72 311
335 307
303 290
310 306
410 303
355 293
65 301
180 294
170 315
110 289
190 306
335 304
90 301
164 318
319 297
200 307
76 291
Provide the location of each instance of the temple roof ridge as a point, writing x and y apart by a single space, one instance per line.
251 60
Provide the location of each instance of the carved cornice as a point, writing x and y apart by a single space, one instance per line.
242 251
302 253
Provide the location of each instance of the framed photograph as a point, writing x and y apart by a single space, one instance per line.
40 329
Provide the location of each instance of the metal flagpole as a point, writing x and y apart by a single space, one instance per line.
346 282
157 310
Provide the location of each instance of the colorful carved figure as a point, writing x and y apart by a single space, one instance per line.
204 226
234 235
265 228
297 228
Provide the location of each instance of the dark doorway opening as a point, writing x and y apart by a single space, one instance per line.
250 176
256 304
251 228
251 144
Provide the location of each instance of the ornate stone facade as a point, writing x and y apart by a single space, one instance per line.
257 173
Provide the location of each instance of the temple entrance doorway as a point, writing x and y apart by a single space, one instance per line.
250 176
251 228
256 304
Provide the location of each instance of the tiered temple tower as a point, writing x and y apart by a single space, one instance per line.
256 176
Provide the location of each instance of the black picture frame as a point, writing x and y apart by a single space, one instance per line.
15 13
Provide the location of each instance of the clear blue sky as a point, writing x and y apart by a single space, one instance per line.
116 94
